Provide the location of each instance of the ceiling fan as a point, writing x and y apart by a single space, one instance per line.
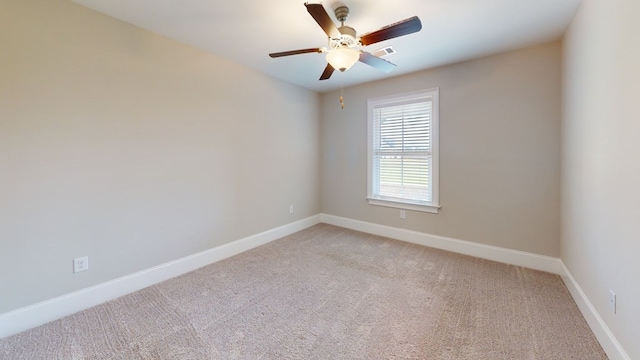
344 46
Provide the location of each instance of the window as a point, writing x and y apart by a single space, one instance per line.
403 151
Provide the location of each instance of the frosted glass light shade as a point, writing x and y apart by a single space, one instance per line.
342 58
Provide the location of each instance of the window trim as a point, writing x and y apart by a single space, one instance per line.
434 205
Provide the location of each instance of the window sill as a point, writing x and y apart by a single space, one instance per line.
406 206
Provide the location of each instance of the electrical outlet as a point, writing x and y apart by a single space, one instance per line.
80 264
403 214
290 209
612 301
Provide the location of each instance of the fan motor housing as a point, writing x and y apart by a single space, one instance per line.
347 38
347 31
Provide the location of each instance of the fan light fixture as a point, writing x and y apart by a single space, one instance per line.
344 46
343 58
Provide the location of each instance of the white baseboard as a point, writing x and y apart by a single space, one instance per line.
43 312
489 252
607 340
25 318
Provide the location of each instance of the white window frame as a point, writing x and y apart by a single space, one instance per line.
374 199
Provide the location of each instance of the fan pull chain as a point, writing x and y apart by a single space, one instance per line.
341 99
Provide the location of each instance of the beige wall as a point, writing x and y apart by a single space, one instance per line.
601 161
499 151
135 150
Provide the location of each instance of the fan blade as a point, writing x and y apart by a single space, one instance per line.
327 72
322 18
404 27
295 52
376 62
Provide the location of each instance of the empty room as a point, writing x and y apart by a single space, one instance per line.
340 180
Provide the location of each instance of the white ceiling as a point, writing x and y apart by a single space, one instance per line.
245 31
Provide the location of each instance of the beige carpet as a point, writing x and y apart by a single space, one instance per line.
329 293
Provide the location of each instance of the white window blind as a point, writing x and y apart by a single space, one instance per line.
403 151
